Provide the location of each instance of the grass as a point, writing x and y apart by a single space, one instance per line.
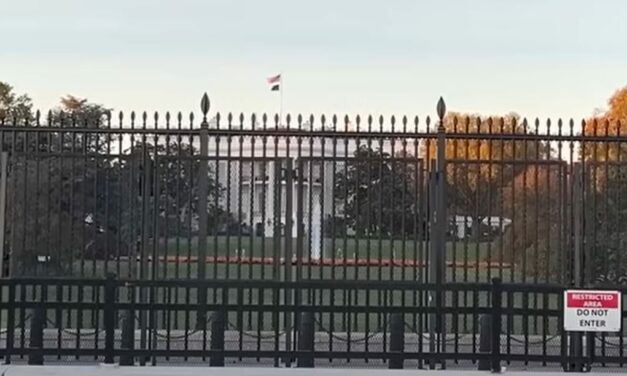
330 248
461 251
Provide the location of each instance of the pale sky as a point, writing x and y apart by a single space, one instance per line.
535 57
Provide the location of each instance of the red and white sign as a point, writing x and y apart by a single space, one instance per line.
592 311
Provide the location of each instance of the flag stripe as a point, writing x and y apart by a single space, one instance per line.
274 79
275 87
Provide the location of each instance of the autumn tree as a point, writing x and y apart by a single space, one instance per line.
479 165
605 186
536 240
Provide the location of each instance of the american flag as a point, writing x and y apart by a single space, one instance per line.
274 82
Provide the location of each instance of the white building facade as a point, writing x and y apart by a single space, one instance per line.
254 176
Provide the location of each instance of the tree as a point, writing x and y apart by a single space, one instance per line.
58 193
378 193
478 168
605 190
174 185
535 241
14 109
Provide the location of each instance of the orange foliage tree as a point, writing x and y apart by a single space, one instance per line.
478 166
604 155
536 240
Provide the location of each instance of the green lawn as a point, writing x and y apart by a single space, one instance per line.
344 248
330 248
461 253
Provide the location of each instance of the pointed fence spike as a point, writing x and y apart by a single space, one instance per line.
441 108
204 105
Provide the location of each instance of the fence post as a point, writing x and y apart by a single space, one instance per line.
289 255
397 341
432 271
203 188
109 317
10 323
485 342
128 339
496 325
590 345
4 157
437 239
576 338
218 324
37 323
306 341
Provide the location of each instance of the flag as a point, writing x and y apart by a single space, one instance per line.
274 82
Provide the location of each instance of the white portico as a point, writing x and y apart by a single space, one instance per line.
254 175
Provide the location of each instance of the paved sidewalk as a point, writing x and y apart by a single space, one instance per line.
105 370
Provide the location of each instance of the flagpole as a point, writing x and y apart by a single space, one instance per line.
281 88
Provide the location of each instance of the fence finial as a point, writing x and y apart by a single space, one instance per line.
204 107
441 108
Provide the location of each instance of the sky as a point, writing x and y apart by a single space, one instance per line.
539 58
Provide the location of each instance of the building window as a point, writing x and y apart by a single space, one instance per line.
259 229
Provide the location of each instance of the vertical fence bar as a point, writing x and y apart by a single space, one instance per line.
443 225
432 264
439 246
289 253
576 343
485 342
218 326
397 341
37 323
306 340
202 215
276 252
300 239
253 214
109 317
496 324
128 331
4 157
10 323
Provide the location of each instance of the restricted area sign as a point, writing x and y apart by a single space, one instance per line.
592 311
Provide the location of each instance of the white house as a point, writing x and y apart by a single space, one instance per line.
248 172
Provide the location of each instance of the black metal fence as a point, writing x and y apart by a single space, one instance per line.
286 202
312 198
303 323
